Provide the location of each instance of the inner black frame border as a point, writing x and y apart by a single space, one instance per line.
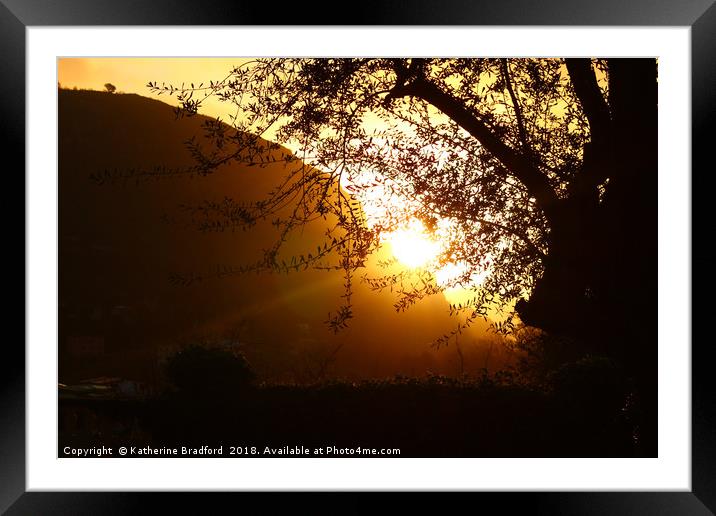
17 15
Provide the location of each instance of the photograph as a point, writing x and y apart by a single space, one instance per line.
357 257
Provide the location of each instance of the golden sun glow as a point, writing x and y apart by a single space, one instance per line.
412 246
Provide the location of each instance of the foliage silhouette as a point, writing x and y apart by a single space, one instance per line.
110 88
544 169
433 416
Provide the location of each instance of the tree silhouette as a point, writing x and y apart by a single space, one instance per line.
110 88
540 174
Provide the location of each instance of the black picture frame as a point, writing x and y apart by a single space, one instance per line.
17 15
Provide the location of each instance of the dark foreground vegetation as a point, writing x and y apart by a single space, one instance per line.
583 410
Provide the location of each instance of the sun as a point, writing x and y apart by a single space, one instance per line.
413 246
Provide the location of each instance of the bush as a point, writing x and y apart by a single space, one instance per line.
594 384
209 371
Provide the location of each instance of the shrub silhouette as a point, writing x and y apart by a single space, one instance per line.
198 370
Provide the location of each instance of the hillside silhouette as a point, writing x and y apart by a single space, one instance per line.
123 234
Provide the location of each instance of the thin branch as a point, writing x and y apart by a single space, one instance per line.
521 236
518 109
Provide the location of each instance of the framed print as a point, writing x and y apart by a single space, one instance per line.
451 253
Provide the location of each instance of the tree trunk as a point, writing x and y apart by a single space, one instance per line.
565 299
603 256
599 284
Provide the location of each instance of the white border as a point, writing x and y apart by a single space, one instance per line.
671 471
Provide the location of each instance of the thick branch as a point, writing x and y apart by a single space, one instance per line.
590 97
517 164
595 164
594 168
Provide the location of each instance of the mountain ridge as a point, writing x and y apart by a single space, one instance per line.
119 246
